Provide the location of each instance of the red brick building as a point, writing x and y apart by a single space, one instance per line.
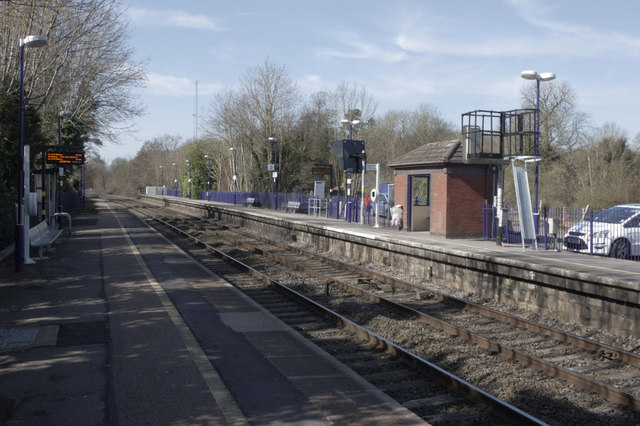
440 193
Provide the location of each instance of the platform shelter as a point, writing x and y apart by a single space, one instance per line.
443 185
440 192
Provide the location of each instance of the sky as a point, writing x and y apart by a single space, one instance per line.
456 55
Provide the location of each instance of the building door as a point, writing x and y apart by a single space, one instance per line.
420 203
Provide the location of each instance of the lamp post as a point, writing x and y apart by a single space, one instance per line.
175 180
208 169
275 172
189 166
60 169
545 76
351 123
235 177
162 179
29 41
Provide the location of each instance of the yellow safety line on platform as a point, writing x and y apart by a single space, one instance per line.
230 410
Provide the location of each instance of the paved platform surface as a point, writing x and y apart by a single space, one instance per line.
119 327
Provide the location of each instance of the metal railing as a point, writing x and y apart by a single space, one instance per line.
334 207
611 232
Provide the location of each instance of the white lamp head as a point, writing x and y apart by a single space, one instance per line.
33 41
547 76
529 75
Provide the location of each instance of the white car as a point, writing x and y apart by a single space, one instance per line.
616 233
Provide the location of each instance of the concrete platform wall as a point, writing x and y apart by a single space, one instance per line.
568 295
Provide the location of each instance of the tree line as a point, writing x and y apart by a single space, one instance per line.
88 69
581 165
268 104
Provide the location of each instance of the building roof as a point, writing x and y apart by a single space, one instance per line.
430 154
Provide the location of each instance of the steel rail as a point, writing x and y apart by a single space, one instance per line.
607 351
608 392
476 394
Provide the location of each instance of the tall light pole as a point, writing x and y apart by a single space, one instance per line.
275 172
29 41
208 169
351 123
162 179
60 169
189 166
235 177
545 76
175 179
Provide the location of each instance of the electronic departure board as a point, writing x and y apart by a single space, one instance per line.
62 158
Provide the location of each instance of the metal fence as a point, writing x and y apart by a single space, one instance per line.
331 207
610 232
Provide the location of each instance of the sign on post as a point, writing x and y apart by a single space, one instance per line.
65 157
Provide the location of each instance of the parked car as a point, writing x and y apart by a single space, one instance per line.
383 205
616 233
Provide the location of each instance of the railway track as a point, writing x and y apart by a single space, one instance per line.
365 297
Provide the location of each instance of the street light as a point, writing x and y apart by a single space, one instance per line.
275 172
60 169
189 165
235 178
545 76
208 168
162 179
29 41
352 123
175 180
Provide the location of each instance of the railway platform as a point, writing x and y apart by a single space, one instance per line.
608 269
594 291
120 327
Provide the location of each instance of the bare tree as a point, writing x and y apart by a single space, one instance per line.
562 126
398 132
265 106
351 102
87 66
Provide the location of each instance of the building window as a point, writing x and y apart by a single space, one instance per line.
420 190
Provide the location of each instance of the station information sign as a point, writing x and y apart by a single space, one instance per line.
64 157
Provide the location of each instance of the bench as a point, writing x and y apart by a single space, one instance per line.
42 236
290 206
249 201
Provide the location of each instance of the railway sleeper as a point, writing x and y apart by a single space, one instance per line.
375 365
434 401
357 356
397 389
298 319
396 375
314 326
462 416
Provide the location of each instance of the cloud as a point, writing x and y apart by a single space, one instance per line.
581 37
172 18
168 85
354 49
419 40
530 27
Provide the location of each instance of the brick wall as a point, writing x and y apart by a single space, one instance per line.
456 199
465 195
439 203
